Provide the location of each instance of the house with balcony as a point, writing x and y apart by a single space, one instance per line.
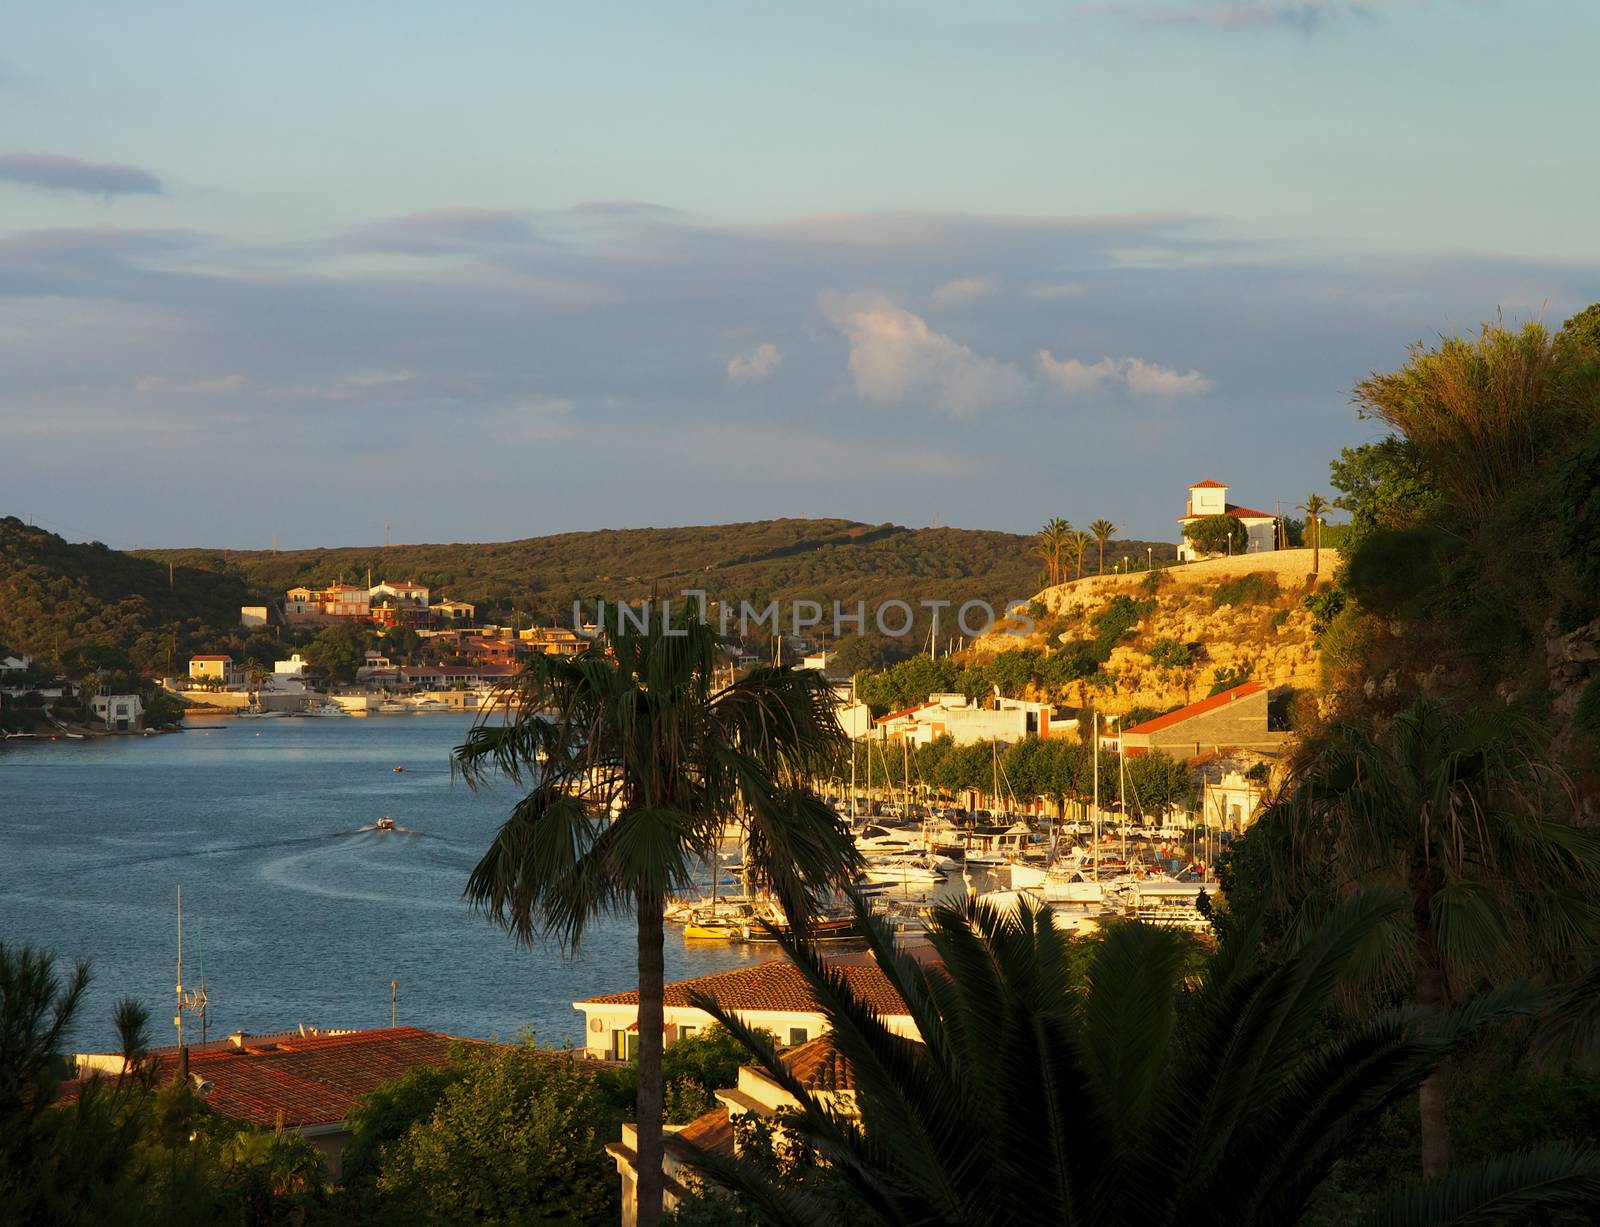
214 668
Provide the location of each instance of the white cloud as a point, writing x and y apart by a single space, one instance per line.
963 289
757 367
895 357
1135 375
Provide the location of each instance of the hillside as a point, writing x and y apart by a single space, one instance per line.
784 560
1191 627
56 596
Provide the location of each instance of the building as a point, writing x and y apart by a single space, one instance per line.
15 664
1236 719
816 1065
401 594
308 1082
454 611
340 600
1231 801
120 713
295 666
957 717
254 615
213 669
1210 498
773 995
553 640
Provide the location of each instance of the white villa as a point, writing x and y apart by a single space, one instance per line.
1210 498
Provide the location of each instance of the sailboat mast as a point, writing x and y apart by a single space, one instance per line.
178 1017
1094 766
1122 793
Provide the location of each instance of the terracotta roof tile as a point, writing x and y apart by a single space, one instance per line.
712 1132
1208 484
819 1066
310 1081
773 985
1194 709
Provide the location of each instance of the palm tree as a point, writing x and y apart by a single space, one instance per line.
1078 543
1043 1095
635 729
1446 812
1314 507
1101 531
1052 537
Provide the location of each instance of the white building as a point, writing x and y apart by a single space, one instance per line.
121 713
399 594
957 717
295 666
1210 498
15 664
252 615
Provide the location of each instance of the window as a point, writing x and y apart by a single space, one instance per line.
686 1030
625 1045
798 1035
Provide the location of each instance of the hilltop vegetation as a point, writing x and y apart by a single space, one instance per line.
56 596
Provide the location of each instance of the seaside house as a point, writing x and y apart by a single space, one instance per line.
966 722
401 594
1236 719
295 666
1210 498
15 664
772 995
454 611
213 668
553 640
120 713
303 1080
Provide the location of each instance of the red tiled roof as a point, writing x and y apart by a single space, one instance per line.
773 985
1208 484
227 658
904 711
712 1132
310 1081
1232 509
1194 709
818 1066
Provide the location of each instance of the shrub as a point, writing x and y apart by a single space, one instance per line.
1221 534
1324 608
1117 620
1257 588
1279 618
1228 678
1169 653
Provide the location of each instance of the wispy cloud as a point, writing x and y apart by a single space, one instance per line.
1138 377
53 173
1065 289
756 367
161 385
1303 15
963 290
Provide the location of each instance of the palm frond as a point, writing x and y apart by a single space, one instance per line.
1503 1190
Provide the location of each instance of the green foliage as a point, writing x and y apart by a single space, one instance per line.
1117 621
1227 678
1140 1089
1384 485
1280 617
1168 653
1219 534
519 1137
338 651
1577 514
387 1115
1324 608
1256 588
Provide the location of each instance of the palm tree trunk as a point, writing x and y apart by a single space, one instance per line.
648 1102
1433 993
1316 547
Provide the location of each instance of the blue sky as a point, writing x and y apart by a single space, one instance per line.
511 269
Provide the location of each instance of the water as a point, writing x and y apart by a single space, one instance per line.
300 911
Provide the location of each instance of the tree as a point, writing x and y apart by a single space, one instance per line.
1048 545
1446 811
378 1123
338 651
636 730
518 1137
1050 1088
1314 506
1219 534
1101 531
1078 543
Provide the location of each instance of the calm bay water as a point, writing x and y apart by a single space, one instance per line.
299 915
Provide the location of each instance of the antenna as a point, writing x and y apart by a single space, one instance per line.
188 1003
394 1001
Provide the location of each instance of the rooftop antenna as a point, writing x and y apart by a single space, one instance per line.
193 1002
394 1002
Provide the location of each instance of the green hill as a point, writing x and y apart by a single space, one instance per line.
57 593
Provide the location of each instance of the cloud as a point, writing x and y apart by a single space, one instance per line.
1047 293
757 367
1302 15
443 230
54 173
161 385
895 357
1133 375
963 289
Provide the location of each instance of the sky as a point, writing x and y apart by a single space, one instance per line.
314 272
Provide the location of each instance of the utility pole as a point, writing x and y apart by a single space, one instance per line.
394 1002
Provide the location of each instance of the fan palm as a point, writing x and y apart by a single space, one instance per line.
1315 506
1448 813
1050 542
635 729
1101 531
1042 1096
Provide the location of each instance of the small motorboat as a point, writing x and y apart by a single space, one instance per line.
398 768
385 823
